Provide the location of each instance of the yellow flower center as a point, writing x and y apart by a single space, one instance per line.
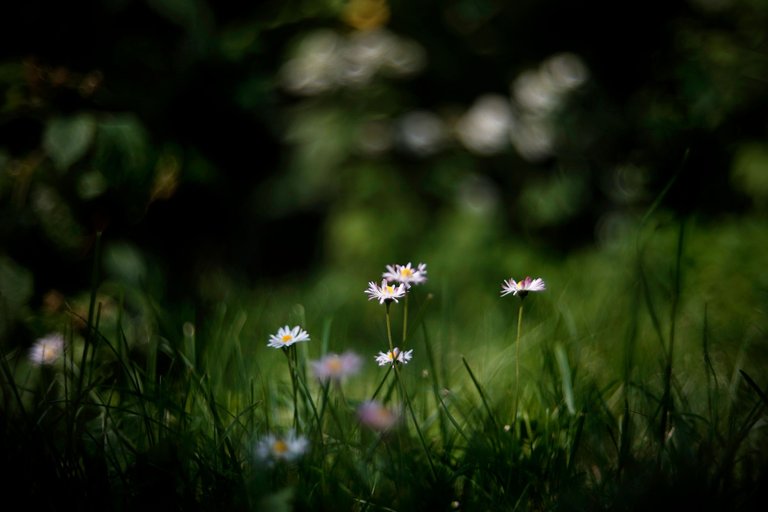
390 289
286 338
279 447
49 353
334 365
406 272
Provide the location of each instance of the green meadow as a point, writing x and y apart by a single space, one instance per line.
373 255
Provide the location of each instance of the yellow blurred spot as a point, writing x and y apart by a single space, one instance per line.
366 14
335 366
406 272
286 338
167 173
279 447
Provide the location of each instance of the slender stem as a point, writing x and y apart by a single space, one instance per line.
405 319
338 397
300 378
517 358
325 386
91 310
381 384
290 353
389 329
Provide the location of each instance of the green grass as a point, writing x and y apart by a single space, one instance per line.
641 385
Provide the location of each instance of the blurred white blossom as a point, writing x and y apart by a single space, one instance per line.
47 350
421 132
271 449
325 60
406 274
484 128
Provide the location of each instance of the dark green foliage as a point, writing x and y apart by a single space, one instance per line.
172 189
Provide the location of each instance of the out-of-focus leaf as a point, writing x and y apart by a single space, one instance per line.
121 151
124 261
279 501
15 290
238 42
67 139
748 171
182 12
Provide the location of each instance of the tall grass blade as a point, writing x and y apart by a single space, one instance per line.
666 400
565 377
755 387
480 391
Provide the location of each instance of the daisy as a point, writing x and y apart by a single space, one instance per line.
521 288
286 337
374 415
336 366
385 293
393 356
47 349
289 448
406 275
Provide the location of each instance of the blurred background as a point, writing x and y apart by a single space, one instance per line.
276 153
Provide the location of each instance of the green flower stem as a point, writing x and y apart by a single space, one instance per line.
301 379
324 397
405 320
389 328
517 359
290 353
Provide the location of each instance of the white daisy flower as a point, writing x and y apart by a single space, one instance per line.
271 448
286 337
385 293
47 349
377 417
406 274
393 356
336 366
521 288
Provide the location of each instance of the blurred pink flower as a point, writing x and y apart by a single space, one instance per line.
336 366
377 417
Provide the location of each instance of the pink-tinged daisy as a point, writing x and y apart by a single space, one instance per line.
336 366
288 448
521 288
394 356
406 274
377 417
47 350
385 293
286 337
